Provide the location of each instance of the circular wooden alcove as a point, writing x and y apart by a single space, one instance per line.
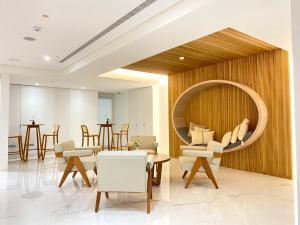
178 113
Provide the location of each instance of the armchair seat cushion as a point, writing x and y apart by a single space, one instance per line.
187 163
197 153
88 163
149 151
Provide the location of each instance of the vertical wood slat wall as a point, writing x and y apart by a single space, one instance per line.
221 108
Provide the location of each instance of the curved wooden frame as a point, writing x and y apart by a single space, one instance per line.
178 113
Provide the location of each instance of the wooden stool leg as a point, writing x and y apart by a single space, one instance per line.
38 142
20 147
42 149
108 142
118 137
103 136
26 147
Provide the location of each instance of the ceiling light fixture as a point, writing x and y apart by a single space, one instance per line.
181 58
83 87
28 38
47 58
37 84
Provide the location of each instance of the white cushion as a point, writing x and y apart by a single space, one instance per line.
235 134
207 136
226 139
197 138
122 171
243 129
193 126
201 129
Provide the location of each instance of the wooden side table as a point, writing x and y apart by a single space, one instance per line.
20 143
27 139
108 128
159 159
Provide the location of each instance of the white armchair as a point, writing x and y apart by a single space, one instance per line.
72 159
200 159
147 143
127 171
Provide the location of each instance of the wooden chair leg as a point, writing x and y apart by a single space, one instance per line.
195 168
118 139
97 201
95 170
68 169
81 170
149 190
20 147
74 174
57 139
106 195
209 173
184 174
93 140
88 140
82 141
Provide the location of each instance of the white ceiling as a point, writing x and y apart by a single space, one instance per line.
161 26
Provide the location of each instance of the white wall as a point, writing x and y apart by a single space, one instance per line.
296 94
4 118
161 116
68 107
120 109
146 111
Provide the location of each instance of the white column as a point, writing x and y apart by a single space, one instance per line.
296 94
4 118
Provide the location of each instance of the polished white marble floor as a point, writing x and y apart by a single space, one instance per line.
29 196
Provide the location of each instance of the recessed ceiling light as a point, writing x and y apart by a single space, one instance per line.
36 28
83 87
47 58
37 84
181 58
45 16
28 38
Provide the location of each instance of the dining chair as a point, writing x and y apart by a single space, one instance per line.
54 136
122 132
86 134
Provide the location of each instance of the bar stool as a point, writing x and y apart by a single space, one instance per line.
87 135
54 136
20 145
123 132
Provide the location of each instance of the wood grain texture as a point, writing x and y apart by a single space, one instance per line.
222 107
218 47
185 99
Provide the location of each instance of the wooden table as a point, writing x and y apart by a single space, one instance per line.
159 159
27 139
109 128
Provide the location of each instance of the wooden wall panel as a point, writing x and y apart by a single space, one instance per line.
222 107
